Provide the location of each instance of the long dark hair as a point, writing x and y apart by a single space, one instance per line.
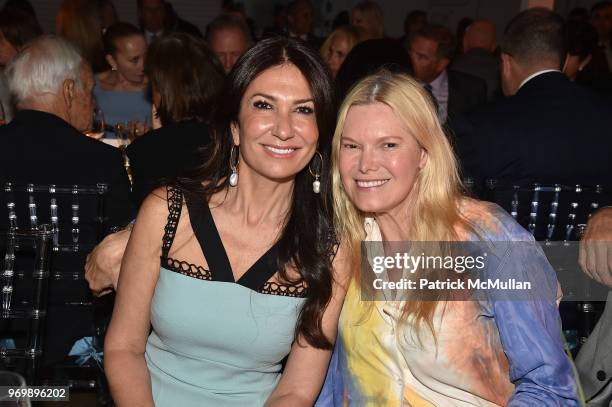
188 90
307 241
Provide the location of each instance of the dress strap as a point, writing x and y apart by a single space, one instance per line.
175 203
210 242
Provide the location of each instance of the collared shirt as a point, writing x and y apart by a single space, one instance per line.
303 37
149 36
533 75
439 89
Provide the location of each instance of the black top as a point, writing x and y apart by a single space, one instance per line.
219 268
165 153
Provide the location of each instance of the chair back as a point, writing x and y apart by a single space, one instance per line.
18 245
549 212
76 213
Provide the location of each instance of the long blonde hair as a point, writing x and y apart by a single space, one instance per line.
437 193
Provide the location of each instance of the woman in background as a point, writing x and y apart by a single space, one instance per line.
122 92
80 22
337 46
395 179
185 96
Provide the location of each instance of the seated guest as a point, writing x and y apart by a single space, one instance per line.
17 28
431 51
548 130
80 22
122 91
395 180
158 18
583 64
594 361
601 19
300 18
175 24
415 21
479 58
367 18
184 96
229 37
108 13
337 46
45 144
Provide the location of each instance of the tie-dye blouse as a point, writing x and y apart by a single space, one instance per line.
487 352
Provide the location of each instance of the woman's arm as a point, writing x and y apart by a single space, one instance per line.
530 333
125 342
305 370
104 262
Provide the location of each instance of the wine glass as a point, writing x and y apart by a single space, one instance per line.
97 130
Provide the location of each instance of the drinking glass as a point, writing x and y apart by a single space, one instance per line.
97 130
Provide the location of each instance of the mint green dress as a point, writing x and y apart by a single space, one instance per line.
216 341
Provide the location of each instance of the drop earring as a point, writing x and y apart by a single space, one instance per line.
233 178
316 184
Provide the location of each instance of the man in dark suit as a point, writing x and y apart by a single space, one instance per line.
479 58
300 18
45 144
431 51
158 18
548 129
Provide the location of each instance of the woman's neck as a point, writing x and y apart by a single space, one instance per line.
259 200
394 224
113 80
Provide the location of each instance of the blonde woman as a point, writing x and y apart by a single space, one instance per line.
367 18
337 46
395 178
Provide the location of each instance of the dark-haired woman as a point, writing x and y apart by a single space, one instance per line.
184 96
121 92
248 273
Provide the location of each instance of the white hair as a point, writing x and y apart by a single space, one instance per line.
42 66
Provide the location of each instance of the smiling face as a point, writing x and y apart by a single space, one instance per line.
379 159
277 128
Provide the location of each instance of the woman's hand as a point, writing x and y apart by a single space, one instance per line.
595 256
104 262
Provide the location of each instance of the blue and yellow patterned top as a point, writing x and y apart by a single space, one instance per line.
488 353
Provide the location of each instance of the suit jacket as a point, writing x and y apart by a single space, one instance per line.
482 64
165 153
465 93
41 148
551 131
594 361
